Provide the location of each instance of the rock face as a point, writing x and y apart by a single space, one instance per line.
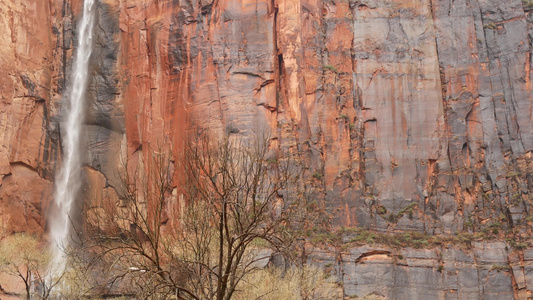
31 64
409 115
487 271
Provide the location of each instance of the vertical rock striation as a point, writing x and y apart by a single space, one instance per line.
30 64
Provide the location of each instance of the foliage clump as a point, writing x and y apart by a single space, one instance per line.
346 237
24 256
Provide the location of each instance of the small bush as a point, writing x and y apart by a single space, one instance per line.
382 210
513 174
407 209
490 26
516 245
331 68
499 268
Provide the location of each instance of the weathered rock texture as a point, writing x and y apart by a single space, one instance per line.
30 81
409 115
487 271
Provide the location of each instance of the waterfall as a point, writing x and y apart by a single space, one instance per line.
68 179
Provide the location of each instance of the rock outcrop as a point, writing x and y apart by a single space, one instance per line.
408 115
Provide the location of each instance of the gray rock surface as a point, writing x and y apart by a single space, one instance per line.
488 270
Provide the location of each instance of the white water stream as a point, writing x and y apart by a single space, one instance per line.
68 178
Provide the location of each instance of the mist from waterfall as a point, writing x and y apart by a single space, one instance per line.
67 184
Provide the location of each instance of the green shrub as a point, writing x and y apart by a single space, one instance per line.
490 26
317 175
382 210
331 68
344 117
440 268
499 268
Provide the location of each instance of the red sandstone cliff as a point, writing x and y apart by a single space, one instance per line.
393 105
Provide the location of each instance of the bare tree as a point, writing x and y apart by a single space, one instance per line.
239 196
122 238
243 191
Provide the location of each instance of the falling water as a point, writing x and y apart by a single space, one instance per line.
68 179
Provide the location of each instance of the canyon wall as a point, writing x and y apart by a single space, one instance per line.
409 115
